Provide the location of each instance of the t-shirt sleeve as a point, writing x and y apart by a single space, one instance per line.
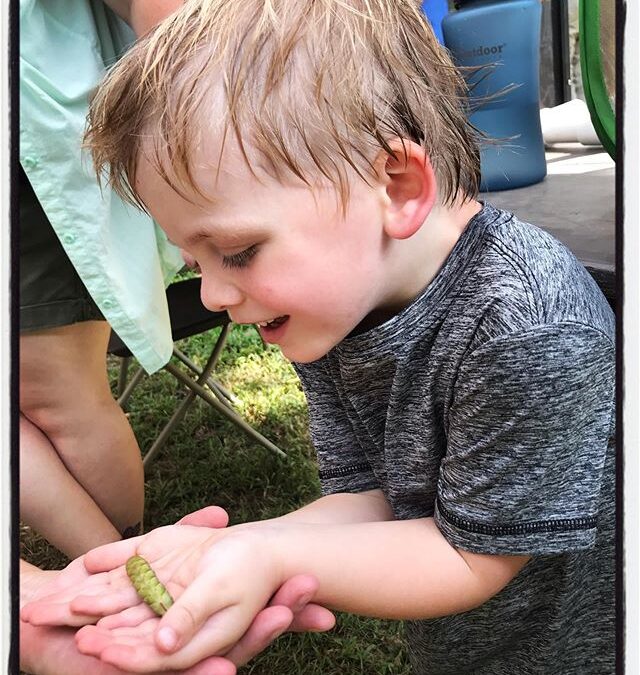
343 465
528 430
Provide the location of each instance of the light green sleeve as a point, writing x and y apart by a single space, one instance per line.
120 254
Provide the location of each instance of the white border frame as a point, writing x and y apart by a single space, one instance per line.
631 354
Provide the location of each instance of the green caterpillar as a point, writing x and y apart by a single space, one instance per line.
147 585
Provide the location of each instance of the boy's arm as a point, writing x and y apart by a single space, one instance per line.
394 569
397 569
343 507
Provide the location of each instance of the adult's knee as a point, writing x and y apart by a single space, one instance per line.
57 408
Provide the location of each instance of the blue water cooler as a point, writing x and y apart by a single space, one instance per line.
435 11
505 35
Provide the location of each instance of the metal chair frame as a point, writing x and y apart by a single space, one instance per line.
198 381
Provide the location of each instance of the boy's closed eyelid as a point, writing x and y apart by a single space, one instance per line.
240 259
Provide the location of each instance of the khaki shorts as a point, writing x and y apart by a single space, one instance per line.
51 292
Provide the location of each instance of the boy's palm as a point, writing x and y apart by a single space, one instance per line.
220 584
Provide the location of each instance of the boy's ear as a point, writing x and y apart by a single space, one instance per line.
410 185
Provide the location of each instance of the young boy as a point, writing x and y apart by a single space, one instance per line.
315 159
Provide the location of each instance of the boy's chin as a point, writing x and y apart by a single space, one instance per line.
305 353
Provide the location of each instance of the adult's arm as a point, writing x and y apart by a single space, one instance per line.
143 15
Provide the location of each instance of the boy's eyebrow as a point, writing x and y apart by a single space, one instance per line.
229 233
195 238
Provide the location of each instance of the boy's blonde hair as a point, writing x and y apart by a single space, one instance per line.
313 86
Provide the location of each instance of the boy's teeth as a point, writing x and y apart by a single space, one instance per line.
274 322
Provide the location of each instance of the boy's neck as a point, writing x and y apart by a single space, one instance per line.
416 261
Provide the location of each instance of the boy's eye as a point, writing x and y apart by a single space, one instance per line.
239 259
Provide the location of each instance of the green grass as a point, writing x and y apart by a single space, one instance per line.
207 460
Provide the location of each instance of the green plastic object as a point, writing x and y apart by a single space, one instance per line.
593 72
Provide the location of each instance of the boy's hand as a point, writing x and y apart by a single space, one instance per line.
192 562
289 610
50 650
219 584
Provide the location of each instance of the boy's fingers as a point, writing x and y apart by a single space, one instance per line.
191 610
268 625
184 617
209 516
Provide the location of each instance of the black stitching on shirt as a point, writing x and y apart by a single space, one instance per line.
527 527
344 471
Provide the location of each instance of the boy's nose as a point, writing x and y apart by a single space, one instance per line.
218 295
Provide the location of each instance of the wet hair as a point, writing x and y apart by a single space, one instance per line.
310 88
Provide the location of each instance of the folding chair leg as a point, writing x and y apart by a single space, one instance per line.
123 399
122 374
174 420
223 394
180 411
225 410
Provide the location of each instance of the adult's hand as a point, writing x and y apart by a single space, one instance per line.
51 650
290 610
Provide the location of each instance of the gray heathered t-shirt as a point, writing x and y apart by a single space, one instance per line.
488 403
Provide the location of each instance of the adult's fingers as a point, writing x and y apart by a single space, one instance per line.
288 611
312 618
134 650
55 608
103 605
133 616
214 665
46 613
268 625
109 556
297 593
93 641
209 516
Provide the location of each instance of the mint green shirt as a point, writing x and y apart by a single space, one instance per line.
121 255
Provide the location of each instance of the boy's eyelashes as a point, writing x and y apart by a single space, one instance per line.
240 259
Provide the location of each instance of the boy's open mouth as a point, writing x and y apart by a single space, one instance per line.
274 323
